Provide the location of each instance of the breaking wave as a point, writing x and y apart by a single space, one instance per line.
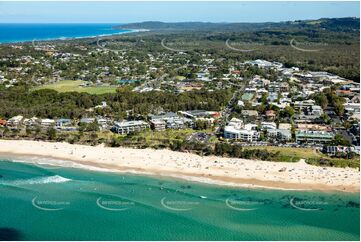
37 180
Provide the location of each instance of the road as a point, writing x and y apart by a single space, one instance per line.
228 109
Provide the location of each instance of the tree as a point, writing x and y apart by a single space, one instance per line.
340 140
51 133
321 100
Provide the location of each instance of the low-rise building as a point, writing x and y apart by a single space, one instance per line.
314 136
46 122
15 121
280 134
333 150
250 113
127 127
157 124
30 122
268 125
230 132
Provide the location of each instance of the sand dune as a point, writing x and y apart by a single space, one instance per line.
209 169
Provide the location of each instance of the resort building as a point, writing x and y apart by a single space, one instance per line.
127 127
231 132
314 136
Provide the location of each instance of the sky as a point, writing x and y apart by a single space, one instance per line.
129 12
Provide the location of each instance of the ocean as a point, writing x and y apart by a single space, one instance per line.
41 202
12 33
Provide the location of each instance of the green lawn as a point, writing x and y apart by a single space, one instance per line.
289 154
73 86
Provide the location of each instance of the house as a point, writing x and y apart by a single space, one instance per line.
249 113
272 96
240 103
172 120
87 120
271 115
103 122
313 136
333 150
237 123
284 126
202 115
15 121
102 105
29 122
62 122
47 122
127 127
316 110
268 125
299 105
179 123
352 108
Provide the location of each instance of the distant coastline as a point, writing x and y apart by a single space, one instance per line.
54 32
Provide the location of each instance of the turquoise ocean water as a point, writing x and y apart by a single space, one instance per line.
10 33
50 203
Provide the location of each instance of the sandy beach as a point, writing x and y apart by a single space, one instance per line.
208 169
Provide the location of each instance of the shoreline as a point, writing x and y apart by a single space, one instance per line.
234 172
125 31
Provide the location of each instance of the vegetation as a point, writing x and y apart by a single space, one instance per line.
52 104
74 86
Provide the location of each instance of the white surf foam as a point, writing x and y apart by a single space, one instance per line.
36 180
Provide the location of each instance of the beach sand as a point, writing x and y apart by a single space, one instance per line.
208 169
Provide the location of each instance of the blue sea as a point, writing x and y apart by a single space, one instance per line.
39 202
12 33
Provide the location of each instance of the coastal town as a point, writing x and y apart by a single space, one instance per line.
270 105
179 120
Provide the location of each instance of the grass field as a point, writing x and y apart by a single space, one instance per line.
73 86
311 156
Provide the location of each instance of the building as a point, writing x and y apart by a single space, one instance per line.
127 127
45 122
87 120
230 132
237 123
299 105
250 113
317 110
268 125
280 134
172 120
333 150
157 124
284 126
353 108
271 115
15 121
29 122
61 122
314 136
236 130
